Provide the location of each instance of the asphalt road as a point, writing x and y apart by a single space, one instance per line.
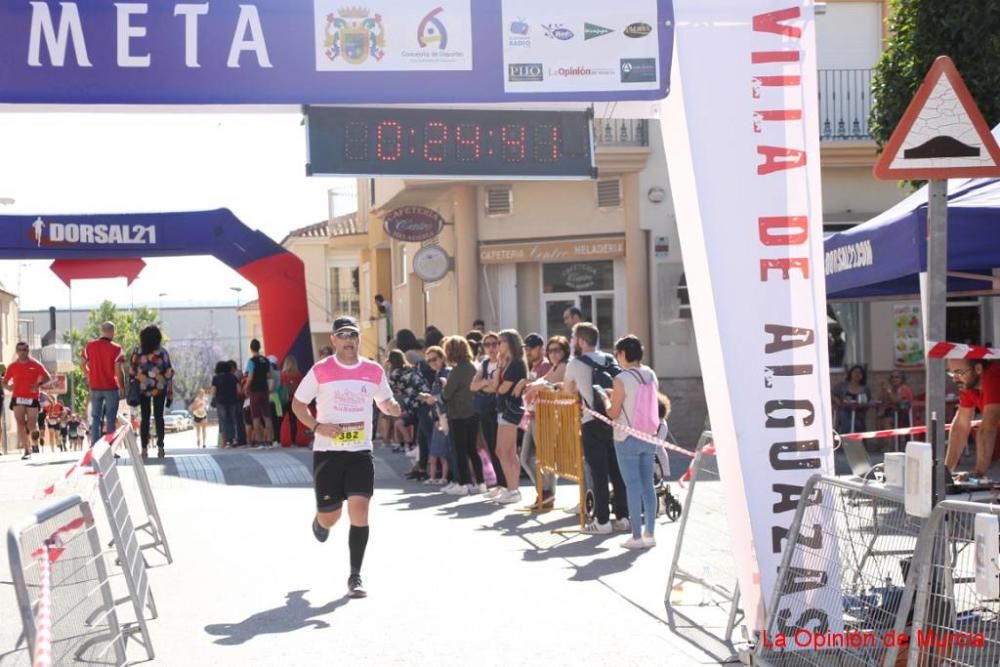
451 582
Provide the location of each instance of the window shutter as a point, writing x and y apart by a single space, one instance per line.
609 193
499 201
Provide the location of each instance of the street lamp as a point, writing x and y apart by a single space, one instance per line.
239 325
160 306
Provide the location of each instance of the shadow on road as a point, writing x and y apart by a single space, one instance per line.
422 502
297 613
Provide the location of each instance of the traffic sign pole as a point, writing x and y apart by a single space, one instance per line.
941 135
936 312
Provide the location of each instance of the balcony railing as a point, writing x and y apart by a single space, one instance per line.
621 132
345 302
845 101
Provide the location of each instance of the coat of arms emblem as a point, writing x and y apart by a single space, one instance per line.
354 34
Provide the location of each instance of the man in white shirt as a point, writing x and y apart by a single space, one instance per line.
598 442
344 386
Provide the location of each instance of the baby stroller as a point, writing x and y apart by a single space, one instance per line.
667 502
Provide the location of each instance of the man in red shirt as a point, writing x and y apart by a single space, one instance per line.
979 389
24 377
103 363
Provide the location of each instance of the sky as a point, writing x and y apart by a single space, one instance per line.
107 162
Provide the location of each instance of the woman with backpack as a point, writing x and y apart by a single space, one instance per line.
151 369
634 405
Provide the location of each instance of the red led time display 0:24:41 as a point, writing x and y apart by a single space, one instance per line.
436 141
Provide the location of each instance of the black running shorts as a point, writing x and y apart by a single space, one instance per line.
340 475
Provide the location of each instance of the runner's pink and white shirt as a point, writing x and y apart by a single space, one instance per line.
344 396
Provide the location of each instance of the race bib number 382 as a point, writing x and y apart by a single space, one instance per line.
350 434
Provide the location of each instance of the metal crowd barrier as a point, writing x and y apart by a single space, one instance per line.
559 450
869 543
952 623
708 529
153 526
126 543
76 617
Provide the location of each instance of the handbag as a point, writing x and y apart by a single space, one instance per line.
133 398
489 474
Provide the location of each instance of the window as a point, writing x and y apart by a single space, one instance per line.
964 321
499 201
345 296
609 193
683 298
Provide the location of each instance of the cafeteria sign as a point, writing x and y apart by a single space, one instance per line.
413 224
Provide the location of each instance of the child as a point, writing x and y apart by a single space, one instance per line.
73 432
439 454
663 401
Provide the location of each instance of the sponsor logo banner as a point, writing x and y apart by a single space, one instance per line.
302 52
421 35
755 275
558 31
638 70
592 31
521 72
586 54
637 30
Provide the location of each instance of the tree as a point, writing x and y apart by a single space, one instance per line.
128 324
919 32
194 362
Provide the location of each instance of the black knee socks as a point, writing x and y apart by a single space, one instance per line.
357 540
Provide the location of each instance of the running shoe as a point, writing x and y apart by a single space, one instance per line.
596 528
649 541
634 543
319 531
494 493
622 525
355 588
509 497
457 490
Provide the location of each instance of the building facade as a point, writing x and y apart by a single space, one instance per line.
9 336
521 252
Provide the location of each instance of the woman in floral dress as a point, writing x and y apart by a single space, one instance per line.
150 367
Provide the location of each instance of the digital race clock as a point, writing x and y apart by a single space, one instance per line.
449 143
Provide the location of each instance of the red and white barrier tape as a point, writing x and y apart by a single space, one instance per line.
84 462
893 432
626 429
43 614
961 351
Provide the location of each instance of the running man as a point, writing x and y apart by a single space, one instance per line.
344 386
25 376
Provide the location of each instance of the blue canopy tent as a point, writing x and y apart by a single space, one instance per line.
883 258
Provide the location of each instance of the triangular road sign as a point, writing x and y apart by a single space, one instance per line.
942 134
